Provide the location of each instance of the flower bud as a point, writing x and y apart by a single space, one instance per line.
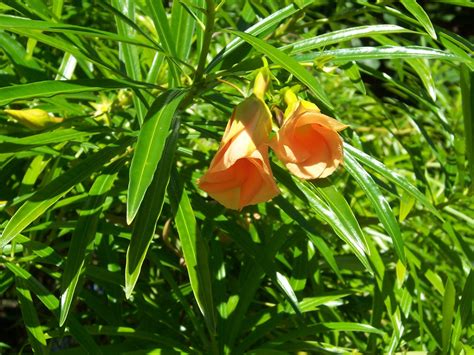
33 118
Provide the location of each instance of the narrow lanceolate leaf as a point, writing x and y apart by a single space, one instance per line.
52 137
195 250
83 235
52 303
183 25
382 52
417 11
419 65
129 53
448 314
54 87
465 306
339 36
467 90
149 148
392 176
290 64
51 193
340 218
319 242
25 66
14 23
260 27
159 17
380 204
30 318
149 213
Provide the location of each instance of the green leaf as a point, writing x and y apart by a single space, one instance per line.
195 250
419 65
448 314
25 66
310 304
406 205
149 213
54 87
335 211
183 25
290 64
259 28
52 303
465 306
339 36
159 17
352 71
392 176
382 52
380 204
129 53
318 242
131 333
52 137
467 91
149 148
13 23
80 245
30 318
417 11
51 193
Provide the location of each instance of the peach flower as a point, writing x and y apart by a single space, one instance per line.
308 142
240 173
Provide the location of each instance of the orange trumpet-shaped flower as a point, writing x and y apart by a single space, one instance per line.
308 142
240 173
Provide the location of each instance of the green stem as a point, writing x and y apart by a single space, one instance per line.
210 15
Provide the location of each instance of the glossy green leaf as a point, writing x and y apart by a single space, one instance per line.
159 17
25 66
312 303
183 25
417 11
289 64
319 242
419 65
30 317
149 148
53 87
52 137
467 90
383 52
52 303
86 228
352 71
392 176
13 23
331 207
465 306
379 203
51 193
259 28
339 36
149 213
129 53
195 250
448 314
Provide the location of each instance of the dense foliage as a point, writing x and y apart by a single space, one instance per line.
109 246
